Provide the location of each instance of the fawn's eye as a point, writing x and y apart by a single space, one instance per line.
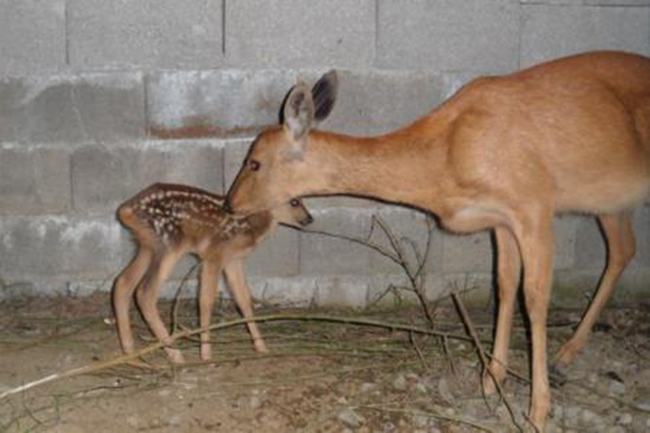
253 165
295 202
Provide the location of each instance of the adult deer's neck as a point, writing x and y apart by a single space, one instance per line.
404 166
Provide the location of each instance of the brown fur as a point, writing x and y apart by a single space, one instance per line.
169 221
504 153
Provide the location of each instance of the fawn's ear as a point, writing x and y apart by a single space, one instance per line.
299 112
324 95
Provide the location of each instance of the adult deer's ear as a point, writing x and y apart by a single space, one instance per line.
324 95
299 112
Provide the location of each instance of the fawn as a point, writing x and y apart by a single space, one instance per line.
504 153
169 221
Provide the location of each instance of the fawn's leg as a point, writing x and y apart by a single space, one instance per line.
125 285
620 240
209 288
508 275
241 292
147 296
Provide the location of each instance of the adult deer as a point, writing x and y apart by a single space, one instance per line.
169 221
504 153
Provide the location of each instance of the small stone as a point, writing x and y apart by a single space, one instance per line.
400 383
175 420
643 404
624 419
133 421
420 420
368 387
617 388
164 392
412 376
255 402
388 427
421 388
350 418
444 391
589 417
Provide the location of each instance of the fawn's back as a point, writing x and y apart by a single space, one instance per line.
170 216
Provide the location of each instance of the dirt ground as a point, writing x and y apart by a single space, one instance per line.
318 377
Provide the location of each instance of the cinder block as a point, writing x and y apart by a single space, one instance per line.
554 31
591 247
618 2
467 253
234 153
342 291
591 250
103 176
189 104
56 247
145 33
32 36
377 102
69 109
34 180
278 256
565 228
295 291
448 35
292 33
321 254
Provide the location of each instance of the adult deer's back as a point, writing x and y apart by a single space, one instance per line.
504 153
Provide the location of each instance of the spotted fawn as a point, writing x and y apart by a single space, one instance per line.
169 221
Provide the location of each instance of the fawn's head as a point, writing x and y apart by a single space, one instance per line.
276 168
293 214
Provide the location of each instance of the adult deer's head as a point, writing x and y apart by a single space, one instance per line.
278 167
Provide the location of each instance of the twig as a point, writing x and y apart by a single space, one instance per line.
183 334
414 273
455 419
481 353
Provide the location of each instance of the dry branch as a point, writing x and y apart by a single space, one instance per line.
91 368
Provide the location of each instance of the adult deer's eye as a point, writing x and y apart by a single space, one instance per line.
295 202
254 165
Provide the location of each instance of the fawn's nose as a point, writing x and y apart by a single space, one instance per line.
308 220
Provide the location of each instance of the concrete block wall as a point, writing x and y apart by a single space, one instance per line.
99 99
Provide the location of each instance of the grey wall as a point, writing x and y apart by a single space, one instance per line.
100 98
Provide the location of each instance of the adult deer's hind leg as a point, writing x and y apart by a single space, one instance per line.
125 285
147 297
241 292
621 248
508 276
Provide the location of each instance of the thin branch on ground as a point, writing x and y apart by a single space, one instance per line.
450 418
481 353
94 367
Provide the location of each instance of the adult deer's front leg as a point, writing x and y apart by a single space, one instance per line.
621 248
537 243
241 292
508 275
208 291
